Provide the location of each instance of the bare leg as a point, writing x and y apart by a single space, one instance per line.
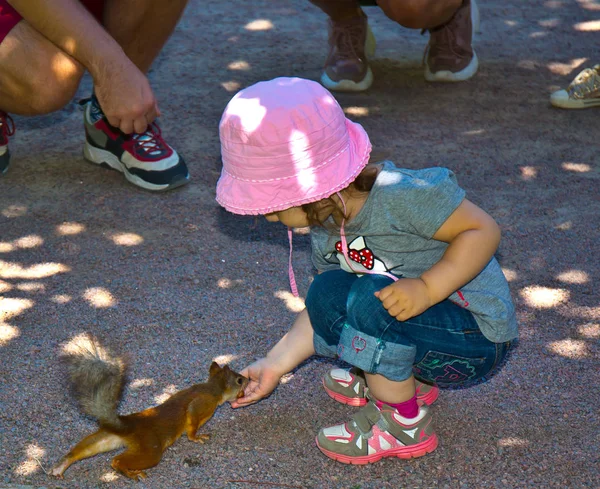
420 14
36 77
415 14
386 390
338 9
142 27
98 442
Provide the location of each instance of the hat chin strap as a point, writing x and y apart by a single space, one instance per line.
291 275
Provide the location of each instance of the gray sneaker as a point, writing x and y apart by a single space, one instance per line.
348 386
450 56
7 128
582 92
351 43
377 432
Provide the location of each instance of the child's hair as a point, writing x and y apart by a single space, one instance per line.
318 212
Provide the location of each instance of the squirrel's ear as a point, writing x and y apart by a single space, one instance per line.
214 368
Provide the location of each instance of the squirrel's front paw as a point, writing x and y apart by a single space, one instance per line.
200 438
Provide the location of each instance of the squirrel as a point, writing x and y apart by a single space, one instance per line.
98 379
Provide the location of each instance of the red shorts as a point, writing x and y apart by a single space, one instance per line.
9 17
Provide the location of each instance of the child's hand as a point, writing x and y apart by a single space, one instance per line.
406 298
263 380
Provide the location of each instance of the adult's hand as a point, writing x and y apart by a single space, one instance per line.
125 96
122 89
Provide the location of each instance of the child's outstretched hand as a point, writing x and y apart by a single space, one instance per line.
406 298
263 380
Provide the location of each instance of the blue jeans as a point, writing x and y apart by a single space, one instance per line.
443 345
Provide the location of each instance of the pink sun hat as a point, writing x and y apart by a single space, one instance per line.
286 142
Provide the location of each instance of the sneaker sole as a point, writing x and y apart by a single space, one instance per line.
407 452
348 85
428 398
446 76
106 158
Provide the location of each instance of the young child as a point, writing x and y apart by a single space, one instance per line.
407 284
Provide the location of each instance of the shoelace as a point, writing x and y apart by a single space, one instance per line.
7 126
151 141
585 82
346 39
445 37
445 41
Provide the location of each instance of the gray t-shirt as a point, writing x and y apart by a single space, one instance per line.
393 233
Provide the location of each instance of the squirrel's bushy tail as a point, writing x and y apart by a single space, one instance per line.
98 379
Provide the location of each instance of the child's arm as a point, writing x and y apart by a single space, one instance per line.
291 350
473 238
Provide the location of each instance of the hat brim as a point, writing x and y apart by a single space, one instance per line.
259 198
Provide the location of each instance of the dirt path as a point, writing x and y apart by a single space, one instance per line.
176 282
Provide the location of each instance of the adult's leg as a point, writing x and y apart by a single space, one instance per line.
450 55
351 43
35 76
338 9
415 14
420 14
142 27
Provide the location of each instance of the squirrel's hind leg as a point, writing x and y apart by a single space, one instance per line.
99 442
132 462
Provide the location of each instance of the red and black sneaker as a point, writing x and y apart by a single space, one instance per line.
145 159
7 128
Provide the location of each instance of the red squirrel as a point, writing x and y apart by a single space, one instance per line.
98 379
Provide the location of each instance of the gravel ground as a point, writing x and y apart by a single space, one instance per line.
175 282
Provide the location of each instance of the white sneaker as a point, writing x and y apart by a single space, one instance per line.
583 91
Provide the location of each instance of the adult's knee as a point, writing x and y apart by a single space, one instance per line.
419 14
52 93
36 77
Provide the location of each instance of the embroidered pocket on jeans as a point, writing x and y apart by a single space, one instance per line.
445 368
